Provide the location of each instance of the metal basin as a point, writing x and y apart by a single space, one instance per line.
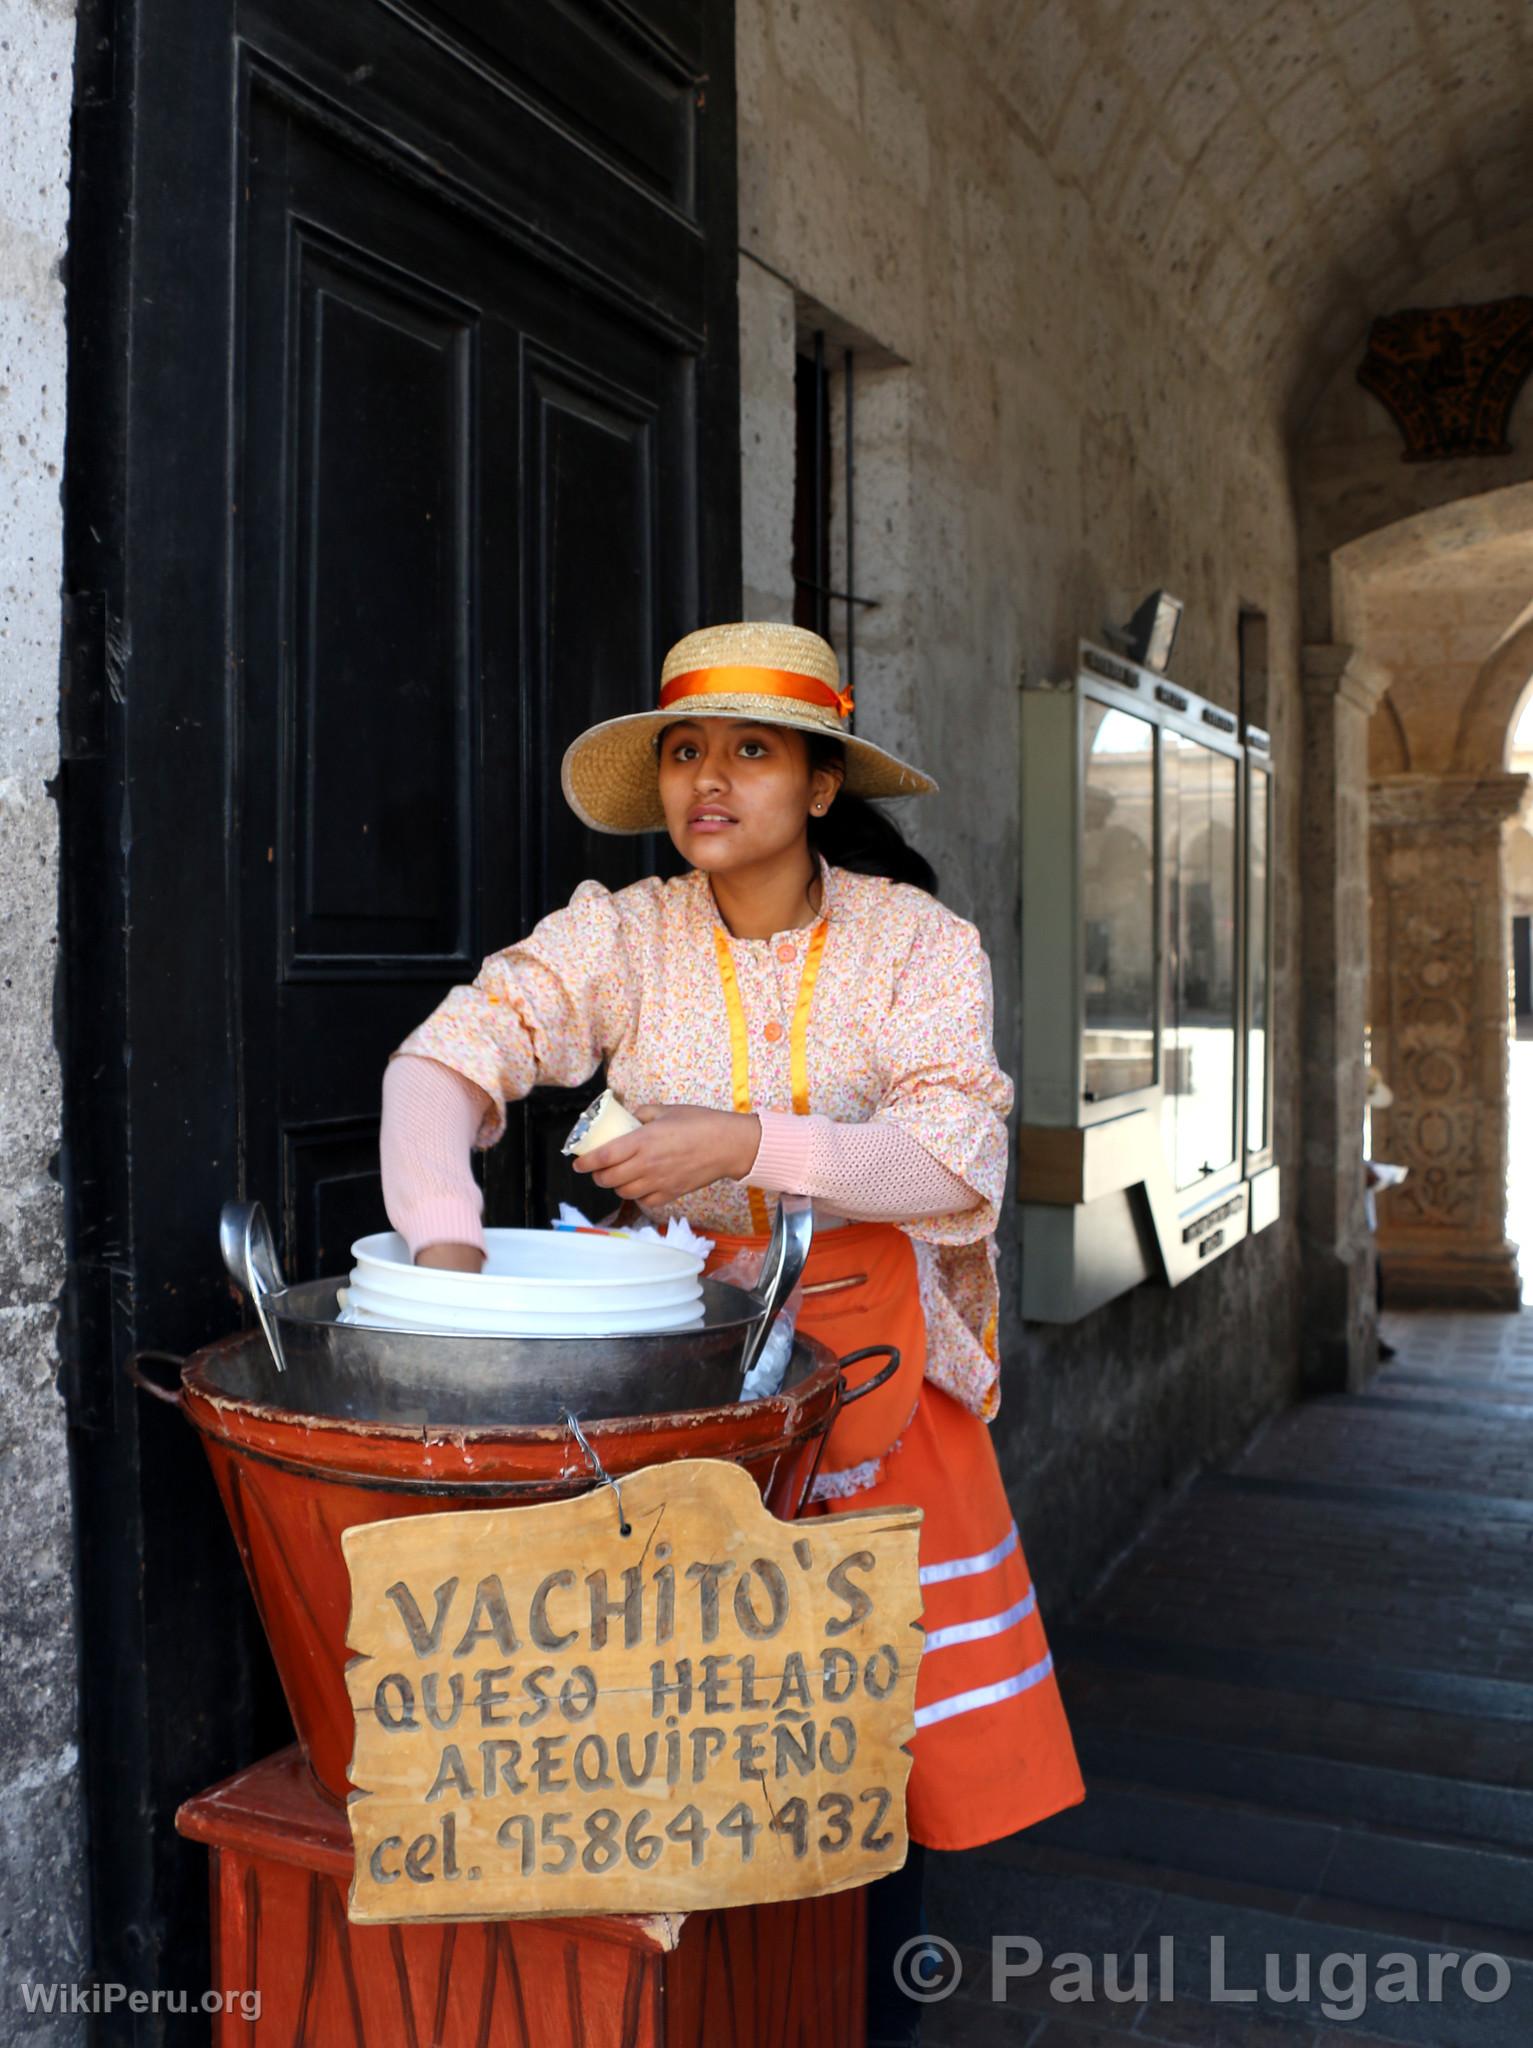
357 1371
353 1373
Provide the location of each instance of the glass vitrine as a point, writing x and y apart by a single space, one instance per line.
1118 899
1199 823
1147 981
1258 925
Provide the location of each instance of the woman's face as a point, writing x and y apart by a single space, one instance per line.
737 794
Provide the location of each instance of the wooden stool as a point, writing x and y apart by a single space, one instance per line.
785 1976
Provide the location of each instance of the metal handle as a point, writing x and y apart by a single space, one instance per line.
171 1396
792 1235
244 1238
845 1401
878 1379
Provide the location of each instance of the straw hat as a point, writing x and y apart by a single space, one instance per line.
771 674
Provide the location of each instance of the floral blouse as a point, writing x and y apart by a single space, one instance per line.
900 1030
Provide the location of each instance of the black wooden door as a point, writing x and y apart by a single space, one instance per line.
403 440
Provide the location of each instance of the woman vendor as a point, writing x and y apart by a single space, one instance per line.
796 1013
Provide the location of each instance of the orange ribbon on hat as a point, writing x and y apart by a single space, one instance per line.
755 682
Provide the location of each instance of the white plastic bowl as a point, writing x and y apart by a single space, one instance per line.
384 1288
430 1319
679 1298
532 1269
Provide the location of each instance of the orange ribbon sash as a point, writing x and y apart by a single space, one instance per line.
739 1041
755 682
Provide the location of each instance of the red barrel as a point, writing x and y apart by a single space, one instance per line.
291 1483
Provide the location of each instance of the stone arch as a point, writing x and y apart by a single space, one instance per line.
1501 688
1432 537
1389 751
1439 601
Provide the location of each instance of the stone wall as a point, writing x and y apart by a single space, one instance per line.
41 1845
1041 441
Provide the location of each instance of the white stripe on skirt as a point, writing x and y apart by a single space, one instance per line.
987 1625
983 1695
968 1567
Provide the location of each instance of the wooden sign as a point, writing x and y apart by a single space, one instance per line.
556 1717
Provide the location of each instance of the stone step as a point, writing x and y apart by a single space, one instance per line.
1347 1790
1309 1587
1450 1402
1309 1854
1215 1708
1368 1679
1513 1385
1434 1502
1106 1909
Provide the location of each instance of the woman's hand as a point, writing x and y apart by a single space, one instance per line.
454 1258
679 1150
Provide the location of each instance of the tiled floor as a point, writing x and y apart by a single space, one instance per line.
1304 1703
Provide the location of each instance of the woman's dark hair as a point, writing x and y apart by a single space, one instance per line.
854 833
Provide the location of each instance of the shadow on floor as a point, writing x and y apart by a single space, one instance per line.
1303 1704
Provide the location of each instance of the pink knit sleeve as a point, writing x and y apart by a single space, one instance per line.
431 1115
549 1009
869 1172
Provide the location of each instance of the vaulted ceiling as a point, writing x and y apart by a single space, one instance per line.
1288 168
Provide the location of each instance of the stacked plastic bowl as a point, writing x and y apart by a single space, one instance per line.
534 1283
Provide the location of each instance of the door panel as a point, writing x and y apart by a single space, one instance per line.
382 424
627 96
480 135
595 519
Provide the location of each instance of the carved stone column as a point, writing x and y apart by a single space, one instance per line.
1439 1017
1341 693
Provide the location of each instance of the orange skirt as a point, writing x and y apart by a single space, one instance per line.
992 1750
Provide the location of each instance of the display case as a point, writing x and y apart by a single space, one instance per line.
1146 1071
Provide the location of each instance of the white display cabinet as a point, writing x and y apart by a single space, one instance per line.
1146 1073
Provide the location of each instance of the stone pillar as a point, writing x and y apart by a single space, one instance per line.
1440 1034
1339 1331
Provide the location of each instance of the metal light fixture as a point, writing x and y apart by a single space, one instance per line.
1150 634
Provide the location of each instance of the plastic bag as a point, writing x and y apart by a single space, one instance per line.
678 1232
767 1374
